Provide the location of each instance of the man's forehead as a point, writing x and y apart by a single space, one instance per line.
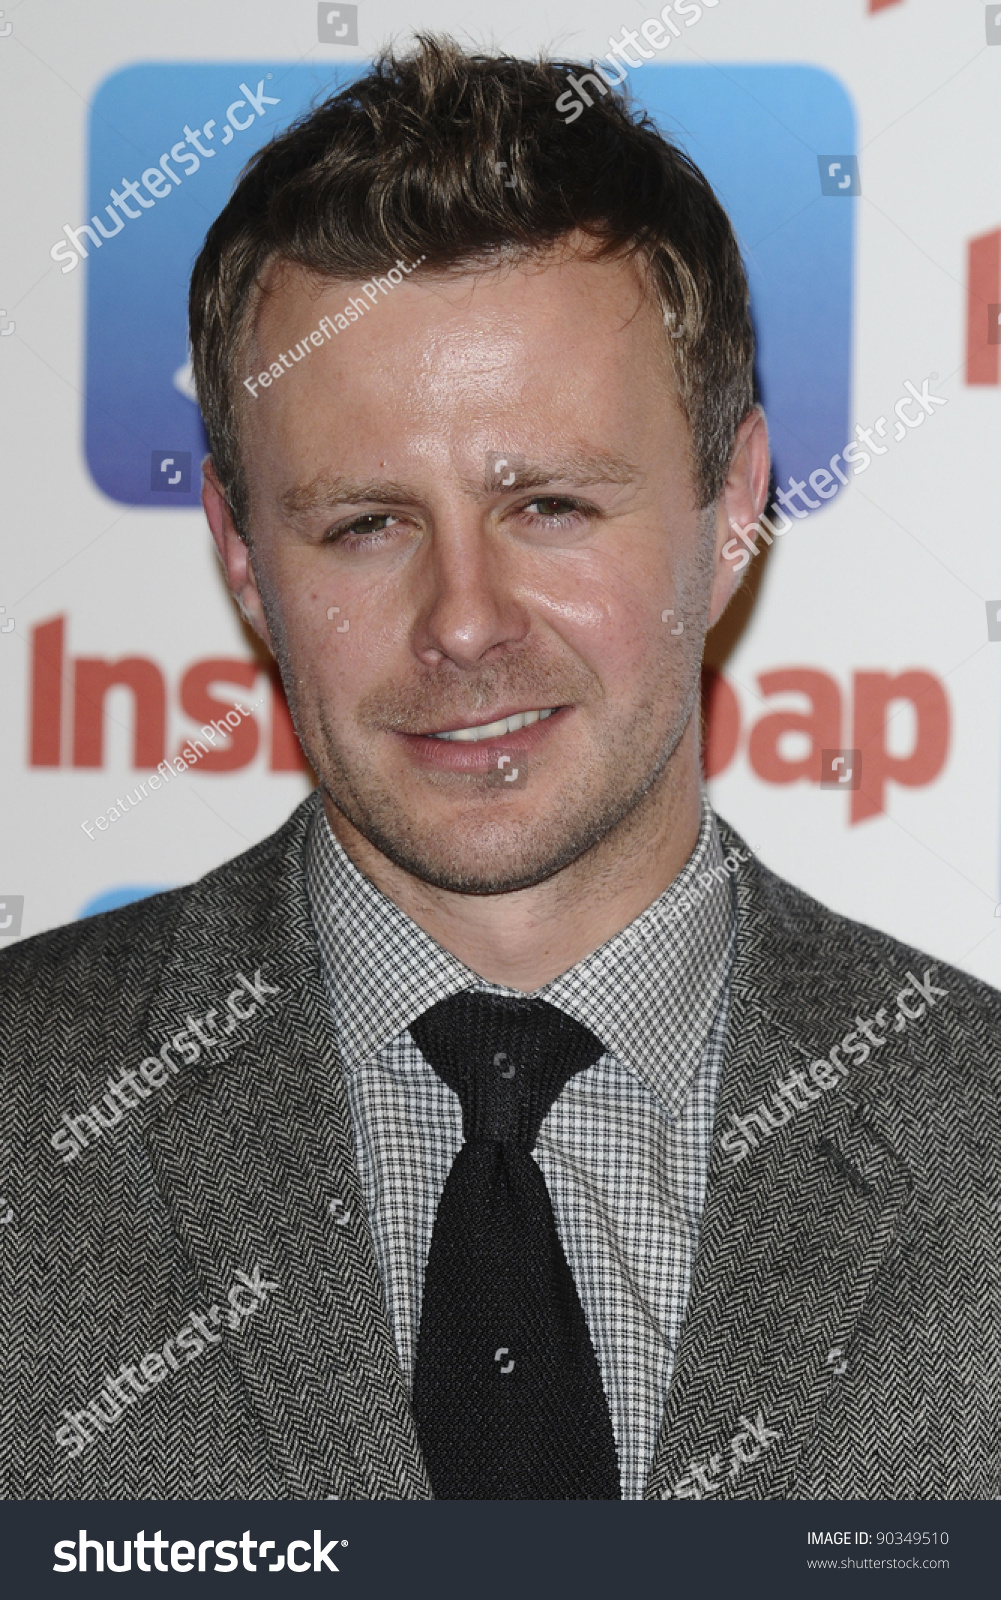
284 284
550 403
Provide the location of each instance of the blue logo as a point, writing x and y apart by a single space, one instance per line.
126 895
756 133
167 144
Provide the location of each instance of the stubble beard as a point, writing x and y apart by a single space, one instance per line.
480 848
476 850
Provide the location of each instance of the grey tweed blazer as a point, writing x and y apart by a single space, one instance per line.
843 1336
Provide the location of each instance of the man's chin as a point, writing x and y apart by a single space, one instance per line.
494 861
498 845
469 853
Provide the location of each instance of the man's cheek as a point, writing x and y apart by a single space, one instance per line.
632 648
332 656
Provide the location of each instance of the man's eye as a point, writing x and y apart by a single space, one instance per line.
553 509
363 530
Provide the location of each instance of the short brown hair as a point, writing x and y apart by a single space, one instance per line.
463 159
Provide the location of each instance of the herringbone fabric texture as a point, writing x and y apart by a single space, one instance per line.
507 1392
843 1332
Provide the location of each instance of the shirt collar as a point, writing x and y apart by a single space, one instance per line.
651 992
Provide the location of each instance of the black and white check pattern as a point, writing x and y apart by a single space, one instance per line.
624 1149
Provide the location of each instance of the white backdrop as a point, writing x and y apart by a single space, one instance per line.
894 575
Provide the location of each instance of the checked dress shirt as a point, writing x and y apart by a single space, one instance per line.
624 1149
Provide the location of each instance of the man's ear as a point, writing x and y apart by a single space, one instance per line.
744 496
234 552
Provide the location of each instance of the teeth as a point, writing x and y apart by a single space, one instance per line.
496 730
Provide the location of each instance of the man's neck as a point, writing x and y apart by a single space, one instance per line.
525 938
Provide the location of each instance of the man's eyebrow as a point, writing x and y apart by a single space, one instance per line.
591 468
329 489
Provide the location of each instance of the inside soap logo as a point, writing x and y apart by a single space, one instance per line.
141 408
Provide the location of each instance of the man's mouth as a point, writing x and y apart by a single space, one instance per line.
494 730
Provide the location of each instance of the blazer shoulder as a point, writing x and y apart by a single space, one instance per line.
111 962
821 956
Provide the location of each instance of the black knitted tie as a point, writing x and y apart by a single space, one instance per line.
507 1392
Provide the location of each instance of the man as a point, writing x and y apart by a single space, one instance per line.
500 1127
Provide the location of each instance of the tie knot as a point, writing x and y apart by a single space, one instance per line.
507 1060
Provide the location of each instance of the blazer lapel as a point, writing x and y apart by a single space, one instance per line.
793 1231
254 1157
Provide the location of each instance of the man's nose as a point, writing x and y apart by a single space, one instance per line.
468 603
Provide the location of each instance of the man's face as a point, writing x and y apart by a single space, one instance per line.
475 504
